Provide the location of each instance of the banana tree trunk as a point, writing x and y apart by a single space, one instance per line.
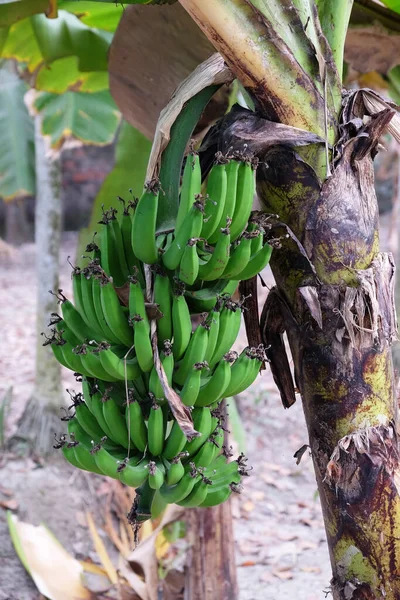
334 289
41 417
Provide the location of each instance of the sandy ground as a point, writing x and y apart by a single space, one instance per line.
280 541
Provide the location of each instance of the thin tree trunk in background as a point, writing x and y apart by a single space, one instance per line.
17 230
41 418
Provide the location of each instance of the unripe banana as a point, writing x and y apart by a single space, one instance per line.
215 200
190 228
244 199
216 385
214 268
120 369
144 350
181 324
191 187
232 169
135 423
189 265
194 354
175 493
256 264
204 300
156 474
114 314
115 420
174 443
156 430
74 320
144 225
102 321
126 220
191 388
133 476
246 371
143 503
176 470
239 257
163 297
158 505
229 325
109 255
197 496
202 423
167 361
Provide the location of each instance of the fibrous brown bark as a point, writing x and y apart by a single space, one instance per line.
211 571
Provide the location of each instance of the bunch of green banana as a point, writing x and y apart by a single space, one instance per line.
121 424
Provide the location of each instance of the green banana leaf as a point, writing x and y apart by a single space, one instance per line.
131 156
17 153
394 84
90 118
392 4
39 41
95 14
11 12
64 75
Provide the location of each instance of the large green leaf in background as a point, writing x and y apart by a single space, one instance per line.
90 118
393 4
39 41
17 154
131 157
95 14
63 75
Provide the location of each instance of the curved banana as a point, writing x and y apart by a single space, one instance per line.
190 228
215 200
189 265
135 423
144 225
229 326
214 388
191 187
181 324
213 269
156 474
244 199
174 443
202 423
256 264
114 314
156 430
194 354
232 169
163 297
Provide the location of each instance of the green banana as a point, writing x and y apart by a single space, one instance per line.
74 320
144 225
88 302
213 324
77 293
133 476
135 423
209 450
190 228
191 388
144 350
92 363
174 443
156 475
232 169
245 370
215 200
114 314
257 263
216 385
97 411
213 498
119 246
172 156
194 353
244 199
86 419
107 331
239 257
181 324
175 493
191 187
115 421
85 459
163 298
156 430
202 423
137 304
109 255
158 505
105 461
197 496
125 221
229 325
176 470
204 300
67 449
120 369
213 269
189 265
